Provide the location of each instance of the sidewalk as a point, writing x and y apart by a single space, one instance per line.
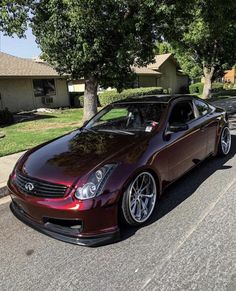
6 165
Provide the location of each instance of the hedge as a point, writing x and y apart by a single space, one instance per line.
197 88
108 97
217 87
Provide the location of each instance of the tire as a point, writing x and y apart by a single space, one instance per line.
224 145
139 200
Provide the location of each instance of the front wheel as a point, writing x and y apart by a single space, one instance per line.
139 199
225 142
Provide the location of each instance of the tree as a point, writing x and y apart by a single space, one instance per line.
95 40
14 16
207 34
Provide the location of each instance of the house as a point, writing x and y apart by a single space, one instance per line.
27 84
230 76
164 72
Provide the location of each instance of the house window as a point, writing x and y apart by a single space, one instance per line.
44 87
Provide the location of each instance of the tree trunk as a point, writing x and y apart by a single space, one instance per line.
208 75
90 98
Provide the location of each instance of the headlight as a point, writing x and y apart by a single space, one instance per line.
95 183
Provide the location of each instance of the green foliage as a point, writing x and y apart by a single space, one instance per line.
163 48
217 87
6 117
108 97
205 32
14 16
229 85
96 39
196 88
184 59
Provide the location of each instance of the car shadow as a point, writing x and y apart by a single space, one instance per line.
184 188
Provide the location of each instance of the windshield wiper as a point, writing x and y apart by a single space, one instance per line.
117 131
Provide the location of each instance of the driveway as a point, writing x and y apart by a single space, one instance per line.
190 244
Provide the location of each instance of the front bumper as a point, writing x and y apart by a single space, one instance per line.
94 222
64 235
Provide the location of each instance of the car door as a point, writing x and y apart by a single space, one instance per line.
185 148
209 123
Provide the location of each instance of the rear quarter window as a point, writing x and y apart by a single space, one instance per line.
202 107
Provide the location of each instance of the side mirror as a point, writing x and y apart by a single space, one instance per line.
176 127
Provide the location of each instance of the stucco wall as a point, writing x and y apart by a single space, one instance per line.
76 87
147 81
18 94
170 78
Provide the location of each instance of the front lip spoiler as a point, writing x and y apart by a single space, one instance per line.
89 241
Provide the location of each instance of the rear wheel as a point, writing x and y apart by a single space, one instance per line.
139 199
225 142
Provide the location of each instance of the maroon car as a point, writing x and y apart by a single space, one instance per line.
76 188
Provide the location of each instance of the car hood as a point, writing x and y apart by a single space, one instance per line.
69 157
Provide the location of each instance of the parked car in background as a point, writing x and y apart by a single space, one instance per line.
76 188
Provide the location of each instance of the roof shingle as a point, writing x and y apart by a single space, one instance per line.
11 66
152 69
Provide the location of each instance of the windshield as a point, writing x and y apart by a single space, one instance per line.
128 118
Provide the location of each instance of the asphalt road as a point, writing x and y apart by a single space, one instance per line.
190 244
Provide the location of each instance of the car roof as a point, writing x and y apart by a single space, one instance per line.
154 99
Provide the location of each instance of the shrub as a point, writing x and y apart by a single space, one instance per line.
108 97
81 101
228 86
196 88
217 87
6 117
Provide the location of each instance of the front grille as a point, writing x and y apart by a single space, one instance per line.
40 188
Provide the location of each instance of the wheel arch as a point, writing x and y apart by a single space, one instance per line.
136 173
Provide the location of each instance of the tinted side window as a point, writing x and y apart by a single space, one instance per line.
182 112
202 107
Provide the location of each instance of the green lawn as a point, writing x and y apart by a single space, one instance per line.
24 135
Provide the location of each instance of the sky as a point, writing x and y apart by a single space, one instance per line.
25 47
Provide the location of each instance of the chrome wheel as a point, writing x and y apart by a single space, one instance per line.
225 141
142 197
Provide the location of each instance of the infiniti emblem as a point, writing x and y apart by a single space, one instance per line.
29 186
